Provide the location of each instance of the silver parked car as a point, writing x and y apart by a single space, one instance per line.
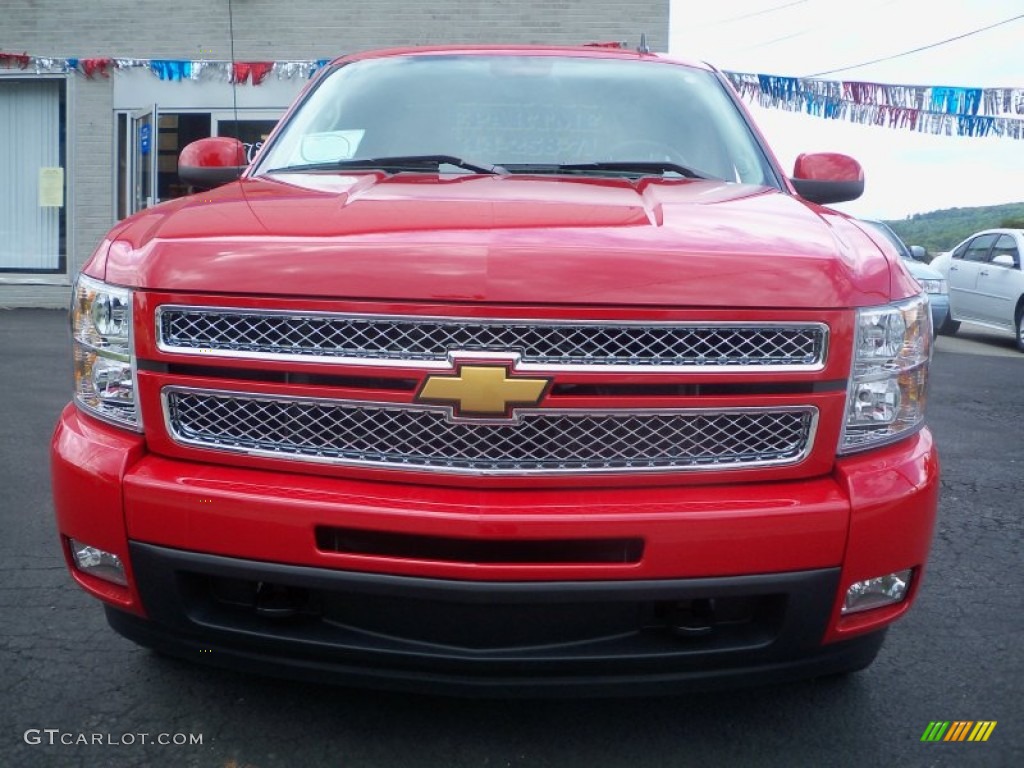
986 282
932 281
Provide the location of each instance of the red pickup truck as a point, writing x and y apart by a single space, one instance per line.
502 370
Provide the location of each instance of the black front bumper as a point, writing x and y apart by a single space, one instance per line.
488 638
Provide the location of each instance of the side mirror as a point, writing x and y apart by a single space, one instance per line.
919 253
211 162
828 177
1004 260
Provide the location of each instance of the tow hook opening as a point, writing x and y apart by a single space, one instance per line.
691 618
269 600
278 601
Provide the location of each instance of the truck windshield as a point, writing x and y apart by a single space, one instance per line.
520 114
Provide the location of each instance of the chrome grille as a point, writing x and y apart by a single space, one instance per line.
375 339
540 441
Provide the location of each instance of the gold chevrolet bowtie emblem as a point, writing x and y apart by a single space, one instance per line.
482 390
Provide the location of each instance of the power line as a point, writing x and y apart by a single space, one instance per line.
775 40
746 16
830 23
761 12
918 50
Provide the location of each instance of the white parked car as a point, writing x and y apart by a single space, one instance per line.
986 282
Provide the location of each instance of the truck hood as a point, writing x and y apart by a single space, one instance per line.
503 239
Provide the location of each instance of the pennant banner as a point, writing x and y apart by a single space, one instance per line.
176 70
939 110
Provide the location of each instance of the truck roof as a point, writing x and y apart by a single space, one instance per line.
596 51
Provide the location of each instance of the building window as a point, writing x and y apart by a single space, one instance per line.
33 162
251 132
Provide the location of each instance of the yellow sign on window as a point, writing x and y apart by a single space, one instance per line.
51 187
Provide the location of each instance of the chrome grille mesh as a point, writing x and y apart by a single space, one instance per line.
383 339
542 441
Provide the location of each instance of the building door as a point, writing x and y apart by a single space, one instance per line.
149 141
143 144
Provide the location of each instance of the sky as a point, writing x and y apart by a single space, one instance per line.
905 172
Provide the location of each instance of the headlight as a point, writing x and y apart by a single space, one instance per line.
934 286
101 332
889 379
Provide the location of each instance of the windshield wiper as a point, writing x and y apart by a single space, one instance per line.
626 167
395 164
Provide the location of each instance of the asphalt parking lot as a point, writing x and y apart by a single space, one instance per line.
65 676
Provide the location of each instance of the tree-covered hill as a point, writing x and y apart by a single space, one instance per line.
941 230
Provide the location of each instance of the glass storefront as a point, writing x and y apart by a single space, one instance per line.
149 141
